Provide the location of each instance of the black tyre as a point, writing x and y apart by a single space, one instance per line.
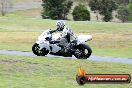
36 51
81 80
83 51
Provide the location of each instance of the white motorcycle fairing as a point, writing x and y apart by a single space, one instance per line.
44 43
84 38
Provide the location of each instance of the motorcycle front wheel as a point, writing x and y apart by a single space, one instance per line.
36 50
83 51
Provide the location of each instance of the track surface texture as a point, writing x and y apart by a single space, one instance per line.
93 58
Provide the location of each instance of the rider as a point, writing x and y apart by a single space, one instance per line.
66 32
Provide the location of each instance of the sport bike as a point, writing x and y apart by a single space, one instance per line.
49 43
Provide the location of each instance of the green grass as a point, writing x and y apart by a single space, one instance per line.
130 16
19 32
124 53
35 12
43 72
21 23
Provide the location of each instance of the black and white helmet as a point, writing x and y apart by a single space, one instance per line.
60 25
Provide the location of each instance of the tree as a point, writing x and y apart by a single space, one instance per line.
107 16
94 4
80 13
123 13
56 9
67 7
104 7
4 6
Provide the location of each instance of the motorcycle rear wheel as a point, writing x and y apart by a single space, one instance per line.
83 51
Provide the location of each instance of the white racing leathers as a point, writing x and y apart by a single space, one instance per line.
66 36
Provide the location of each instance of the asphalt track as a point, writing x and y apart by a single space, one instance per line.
93 58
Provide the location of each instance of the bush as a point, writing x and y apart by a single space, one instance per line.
80 13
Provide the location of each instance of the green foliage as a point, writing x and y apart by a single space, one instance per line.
123 2
104 7
107 16
107 6
56 9
123 13
80 13
94 4
130 9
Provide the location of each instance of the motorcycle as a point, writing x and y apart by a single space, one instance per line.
76 47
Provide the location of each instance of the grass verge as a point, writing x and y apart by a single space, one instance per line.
44 72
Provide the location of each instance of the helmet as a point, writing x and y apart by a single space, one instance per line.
60 25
